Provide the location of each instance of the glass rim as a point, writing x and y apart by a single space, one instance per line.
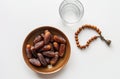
78 4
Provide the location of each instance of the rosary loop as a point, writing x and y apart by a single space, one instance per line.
86 26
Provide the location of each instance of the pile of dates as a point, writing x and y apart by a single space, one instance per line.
46 49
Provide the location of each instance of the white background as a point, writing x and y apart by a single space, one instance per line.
19 17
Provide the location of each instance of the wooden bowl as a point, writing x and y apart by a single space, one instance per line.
62 61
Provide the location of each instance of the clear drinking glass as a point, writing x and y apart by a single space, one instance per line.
71 11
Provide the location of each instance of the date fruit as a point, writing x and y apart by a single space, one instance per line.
34 53
47 60
52 49
37 39
46 48
42 34
42 59
56 45
62 50
28 51
47 36
35 62
54 60
48 53
39 45
51 38
59 39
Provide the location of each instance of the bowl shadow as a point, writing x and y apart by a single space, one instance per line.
51 76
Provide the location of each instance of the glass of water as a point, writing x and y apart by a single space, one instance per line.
71 11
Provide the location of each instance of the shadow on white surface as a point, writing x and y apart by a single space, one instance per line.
50 76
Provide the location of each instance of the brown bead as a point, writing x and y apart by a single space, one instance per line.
83 27
96 37
80 29
76 39
76 33
76 36
84 46
99 32
87 45
94 27
90 40
77 42
88 26
78 45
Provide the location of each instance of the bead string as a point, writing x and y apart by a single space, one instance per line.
92 38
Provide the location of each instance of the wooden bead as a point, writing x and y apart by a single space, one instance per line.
78 45
83 27
87 44
94 27
76 39
83 47
90 40
95 37
99 32
76 36
77 42
80 29
76 33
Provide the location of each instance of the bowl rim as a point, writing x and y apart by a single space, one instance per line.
50 72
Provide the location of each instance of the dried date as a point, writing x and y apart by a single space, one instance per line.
39 45
51 38
42 59
35 62
28 51
33 51
54 60
47 60
56 45
37 39
46 48
52 49
42 34
62 50
47 36
48 53
59 39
